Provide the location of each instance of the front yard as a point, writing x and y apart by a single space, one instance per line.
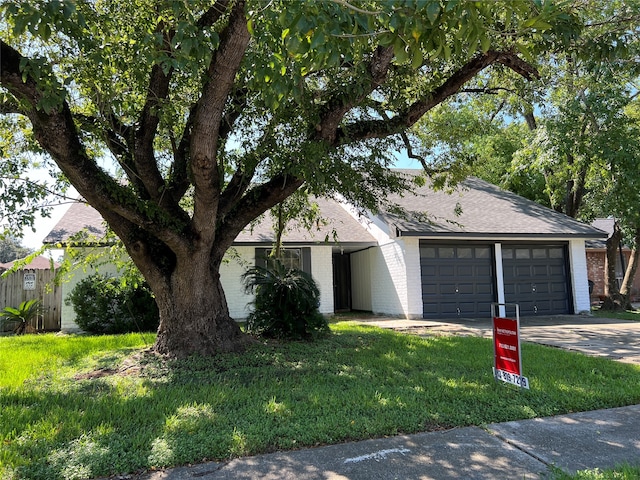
78 407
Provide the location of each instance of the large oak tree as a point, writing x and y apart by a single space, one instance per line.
215 111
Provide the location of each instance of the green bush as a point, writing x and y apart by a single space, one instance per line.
286 302
104 304
22 317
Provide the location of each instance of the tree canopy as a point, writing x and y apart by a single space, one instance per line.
11 249
234 105
570 141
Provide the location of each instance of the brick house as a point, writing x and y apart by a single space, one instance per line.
451 255
596 251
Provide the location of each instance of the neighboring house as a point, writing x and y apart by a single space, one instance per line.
450 256
596 255
33 281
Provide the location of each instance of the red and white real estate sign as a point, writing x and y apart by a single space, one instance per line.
506 347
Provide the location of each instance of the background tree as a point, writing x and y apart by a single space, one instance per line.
619 196
11 249
237 104
579 155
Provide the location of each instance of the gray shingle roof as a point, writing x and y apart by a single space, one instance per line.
81 217
78 218
476 209
607 226
485 210
335 219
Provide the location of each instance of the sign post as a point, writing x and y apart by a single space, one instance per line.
507 365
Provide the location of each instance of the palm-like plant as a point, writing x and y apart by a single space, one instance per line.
286 302
23 315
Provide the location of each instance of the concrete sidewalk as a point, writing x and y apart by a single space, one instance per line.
514 450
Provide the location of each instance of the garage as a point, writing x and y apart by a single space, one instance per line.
457 280
536 277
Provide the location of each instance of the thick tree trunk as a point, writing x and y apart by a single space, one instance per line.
194 316
613 300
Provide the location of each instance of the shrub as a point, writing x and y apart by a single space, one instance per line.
286 302
104 304
23 316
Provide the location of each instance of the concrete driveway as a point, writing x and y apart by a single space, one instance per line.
615 339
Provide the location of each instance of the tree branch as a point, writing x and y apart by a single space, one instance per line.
336 108
487 91
146 172
238 104
211 16
210 107
361 130
254 203
179 183
57 134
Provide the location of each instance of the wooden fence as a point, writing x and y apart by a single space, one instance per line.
29 284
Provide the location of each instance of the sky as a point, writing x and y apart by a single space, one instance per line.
44 225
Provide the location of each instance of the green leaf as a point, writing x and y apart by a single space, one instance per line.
318 39
416 57
400 50
433 10
525 52
485 43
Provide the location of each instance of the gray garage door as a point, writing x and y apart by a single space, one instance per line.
536 277
457 280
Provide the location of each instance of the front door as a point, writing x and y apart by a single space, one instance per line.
341 282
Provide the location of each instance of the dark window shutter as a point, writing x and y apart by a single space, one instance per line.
261 257
306 260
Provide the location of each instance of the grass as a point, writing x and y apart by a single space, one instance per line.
625 472
626 315
82 407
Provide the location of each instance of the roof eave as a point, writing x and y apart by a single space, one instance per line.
491 235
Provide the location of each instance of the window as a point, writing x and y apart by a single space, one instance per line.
292 258
299 258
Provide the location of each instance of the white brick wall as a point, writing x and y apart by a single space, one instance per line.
236 262
579 276
322 272
414 278
384 291
395 273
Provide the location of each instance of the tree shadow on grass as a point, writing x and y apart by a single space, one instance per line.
359 383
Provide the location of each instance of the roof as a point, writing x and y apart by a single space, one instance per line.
335 222
606 225
38 263
481 210
335 219
80 217
476 209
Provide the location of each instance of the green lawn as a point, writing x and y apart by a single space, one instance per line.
77 407
626 315
626 472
